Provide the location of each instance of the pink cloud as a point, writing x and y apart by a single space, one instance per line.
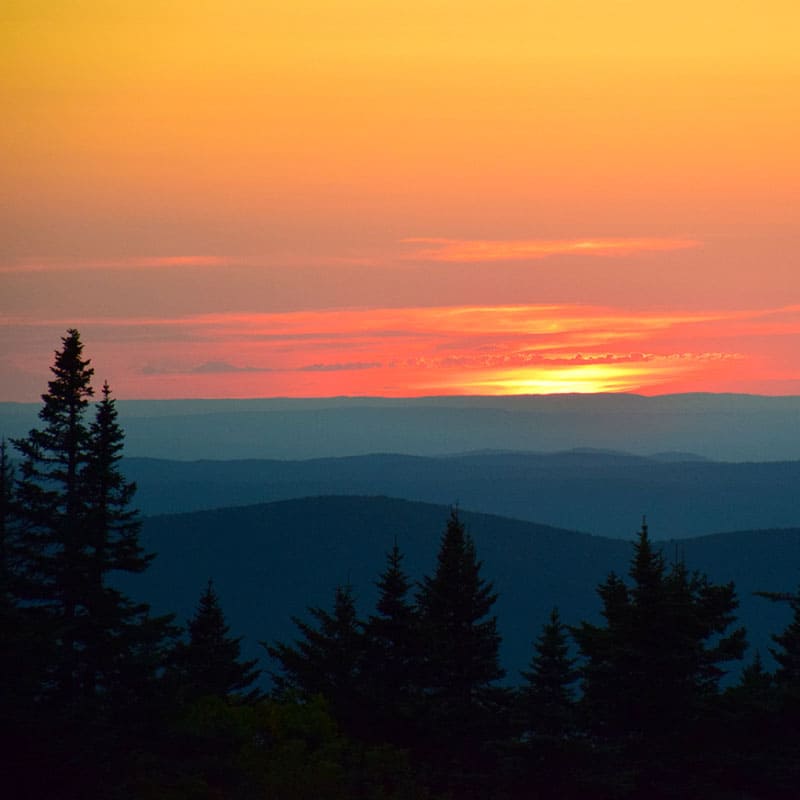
482 250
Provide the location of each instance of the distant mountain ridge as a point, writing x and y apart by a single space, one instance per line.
600 492
270 561
718 426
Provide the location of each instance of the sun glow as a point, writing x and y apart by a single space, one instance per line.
441 350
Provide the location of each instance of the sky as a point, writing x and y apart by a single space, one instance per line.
247 198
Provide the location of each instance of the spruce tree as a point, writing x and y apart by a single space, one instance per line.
547 696
391 660
113 632
549 754
460 645
651 672
327 660
52 501
461 639
210 664
96 654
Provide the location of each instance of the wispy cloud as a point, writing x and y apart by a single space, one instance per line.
477 250
206 368
340 367
115 263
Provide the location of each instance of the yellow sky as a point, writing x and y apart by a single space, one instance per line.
237 109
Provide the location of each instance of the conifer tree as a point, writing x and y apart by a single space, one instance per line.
78 528
548 697
460 646
92 655
460 638
549 755
653 669
787 652
391 661
50 486
53 503
327 660
210 662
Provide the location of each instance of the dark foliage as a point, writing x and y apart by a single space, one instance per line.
210 662
327 660
651 673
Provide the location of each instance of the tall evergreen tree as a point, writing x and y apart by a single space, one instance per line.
652 671
210 662
113 627
52 501
53 457
327 660
547 758
79 529
461 639
460 646
390 671
547 696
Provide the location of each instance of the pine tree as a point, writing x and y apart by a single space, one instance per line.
210 664
78 530
548 696
53 457
327 660
652 672
460 663
52 500
548 755
96 653
461 639
390 668
113 630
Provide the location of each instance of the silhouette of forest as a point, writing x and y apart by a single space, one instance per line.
102 698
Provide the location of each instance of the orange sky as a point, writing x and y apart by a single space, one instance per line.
246 199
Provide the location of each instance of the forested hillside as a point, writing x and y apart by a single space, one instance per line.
287 555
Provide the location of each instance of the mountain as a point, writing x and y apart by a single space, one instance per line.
271 561
724 427
600 492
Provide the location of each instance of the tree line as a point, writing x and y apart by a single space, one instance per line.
103 698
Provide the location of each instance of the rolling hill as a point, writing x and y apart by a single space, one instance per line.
600 492
271 561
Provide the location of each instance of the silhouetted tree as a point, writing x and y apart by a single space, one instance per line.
548 696
105 651
52 500
787 652
210 662
327 660
391 658
778 748
460 645
652 671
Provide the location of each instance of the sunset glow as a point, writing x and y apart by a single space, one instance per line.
439 350
246 199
